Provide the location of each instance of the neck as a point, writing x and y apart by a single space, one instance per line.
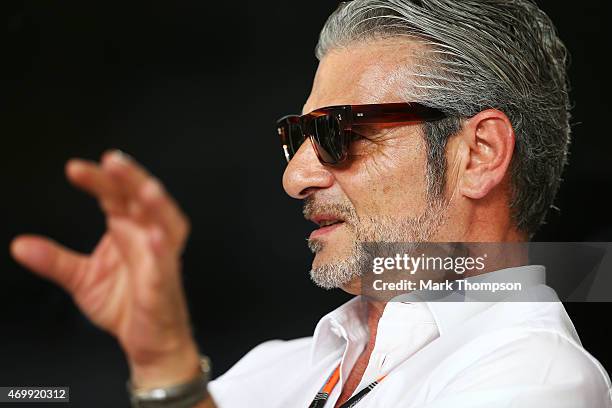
375 311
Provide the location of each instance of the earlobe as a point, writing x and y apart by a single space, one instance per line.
491 139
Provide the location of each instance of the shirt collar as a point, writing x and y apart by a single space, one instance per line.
452 312
348 322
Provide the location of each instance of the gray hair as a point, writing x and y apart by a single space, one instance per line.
478 54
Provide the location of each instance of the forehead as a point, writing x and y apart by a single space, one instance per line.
361 73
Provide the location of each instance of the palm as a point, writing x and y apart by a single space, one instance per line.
130 284
102 284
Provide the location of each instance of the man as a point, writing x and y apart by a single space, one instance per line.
431 121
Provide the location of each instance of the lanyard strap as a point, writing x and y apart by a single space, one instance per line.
321 398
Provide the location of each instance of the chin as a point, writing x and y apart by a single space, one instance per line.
325 253
321 258
336 266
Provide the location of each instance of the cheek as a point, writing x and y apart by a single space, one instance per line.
389 180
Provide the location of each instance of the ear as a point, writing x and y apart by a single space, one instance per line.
490 140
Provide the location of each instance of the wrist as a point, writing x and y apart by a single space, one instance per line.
187 394
175 366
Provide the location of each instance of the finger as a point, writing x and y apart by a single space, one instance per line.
162 208
50 260
127 172
90 177
146 191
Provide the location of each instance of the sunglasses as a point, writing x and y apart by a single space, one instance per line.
332 129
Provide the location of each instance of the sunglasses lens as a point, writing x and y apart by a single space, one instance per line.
296 138
329 139
291 136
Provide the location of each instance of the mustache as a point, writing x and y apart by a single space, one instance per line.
343 210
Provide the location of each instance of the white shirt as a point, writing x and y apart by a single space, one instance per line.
435 354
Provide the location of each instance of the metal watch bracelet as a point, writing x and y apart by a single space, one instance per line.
185 395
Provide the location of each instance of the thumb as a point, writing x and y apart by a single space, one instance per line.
49 260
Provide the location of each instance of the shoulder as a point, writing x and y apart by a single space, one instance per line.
528 363
540 354
272 355
264 363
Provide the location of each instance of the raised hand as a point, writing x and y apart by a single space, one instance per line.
130 285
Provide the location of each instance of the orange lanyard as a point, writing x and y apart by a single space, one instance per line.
322 396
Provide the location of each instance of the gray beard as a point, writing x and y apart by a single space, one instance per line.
419 229
339 273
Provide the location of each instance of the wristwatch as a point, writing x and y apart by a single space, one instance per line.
185 395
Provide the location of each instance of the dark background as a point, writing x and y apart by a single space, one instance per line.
192 90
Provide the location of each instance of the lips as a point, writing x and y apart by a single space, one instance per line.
327 223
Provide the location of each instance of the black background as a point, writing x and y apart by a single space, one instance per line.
192 90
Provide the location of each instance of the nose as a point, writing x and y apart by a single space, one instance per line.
305 174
